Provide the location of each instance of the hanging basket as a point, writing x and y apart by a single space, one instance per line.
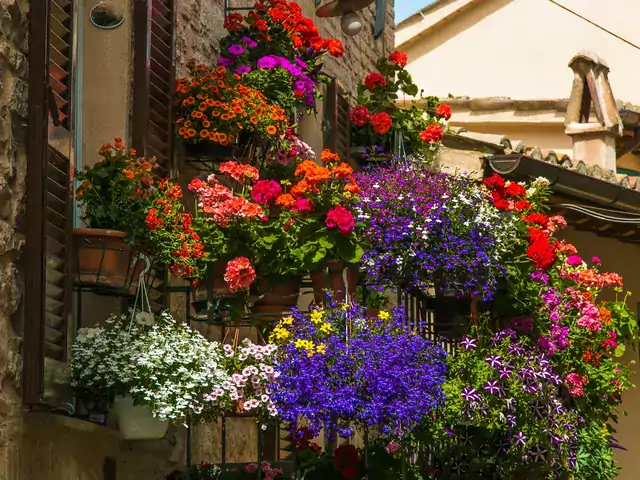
275 297
136 421
210 151
454 313
104 261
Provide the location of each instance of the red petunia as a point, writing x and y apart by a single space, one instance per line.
432 134
399 58
443 111
373 80
381 123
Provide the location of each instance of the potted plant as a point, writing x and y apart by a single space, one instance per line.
377 120
224 220
151 369
216 112
115 193
278 51
340 370
321 220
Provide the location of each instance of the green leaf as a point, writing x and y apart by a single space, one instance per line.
620 349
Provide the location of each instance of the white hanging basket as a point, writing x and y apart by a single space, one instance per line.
136 421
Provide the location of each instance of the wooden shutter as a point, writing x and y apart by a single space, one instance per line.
49 215
336 120
153 81
153 93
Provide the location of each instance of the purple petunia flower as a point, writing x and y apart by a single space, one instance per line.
249 42
511 404
539 276
495 361
492 387
235 50
504 373
224 62
520 438
470 394
267 62
511 420
242 69
469 343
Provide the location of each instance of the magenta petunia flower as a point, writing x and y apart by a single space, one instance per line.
235 50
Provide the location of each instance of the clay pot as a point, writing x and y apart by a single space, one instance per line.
276 296
104 260
336 280
318 285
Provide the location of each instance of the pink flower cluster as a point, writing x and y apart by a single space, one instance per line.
220 202
340 218
265 192
239 274
590 317
574 384
239 172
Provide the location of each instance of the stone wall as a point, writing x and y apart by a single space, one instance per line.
13 166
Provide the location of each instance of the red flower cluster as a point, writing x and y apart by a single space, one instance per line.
239 274
373 80
443 111
282 15
433 133
340 218
360 115
179 239
265 192
398 58
239 172
345 458
381 123
506 197
541 251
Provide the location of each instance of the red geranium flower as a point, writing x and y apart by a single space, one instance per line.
433 133
515 190
399 58
537 219
239 274
542 253
360 115
381 123
443 111
373 80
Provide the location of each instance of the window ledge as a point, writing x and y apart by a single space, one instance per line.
73 423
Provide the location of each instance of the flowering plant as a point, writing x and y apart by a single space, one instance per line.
214 106
252 372
319 205
281 163
116 191
337 367
425 228
154 360
278 51
502 397
377 118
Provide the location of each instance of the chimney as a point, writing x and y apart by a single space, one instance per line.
594 142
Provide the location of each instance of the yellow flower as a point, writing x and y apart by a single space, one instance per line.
280 333
316 316
288 320
345 306
310 353
384 315
321 349
326 327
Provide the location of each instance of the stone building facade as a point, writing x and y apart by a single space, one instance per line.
41 444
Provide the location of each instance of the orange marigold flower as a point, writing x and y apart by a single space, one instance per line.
343 171
328 156
191 132
300 188
352 187
271 130
220 69
285 200
128 173
204 133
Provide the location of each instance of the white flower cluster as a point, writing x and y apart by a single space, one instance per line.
249 384
157 361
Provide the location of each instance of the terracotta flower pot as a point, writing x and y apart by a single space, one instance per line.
276 296
104 259
318 285
336 279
